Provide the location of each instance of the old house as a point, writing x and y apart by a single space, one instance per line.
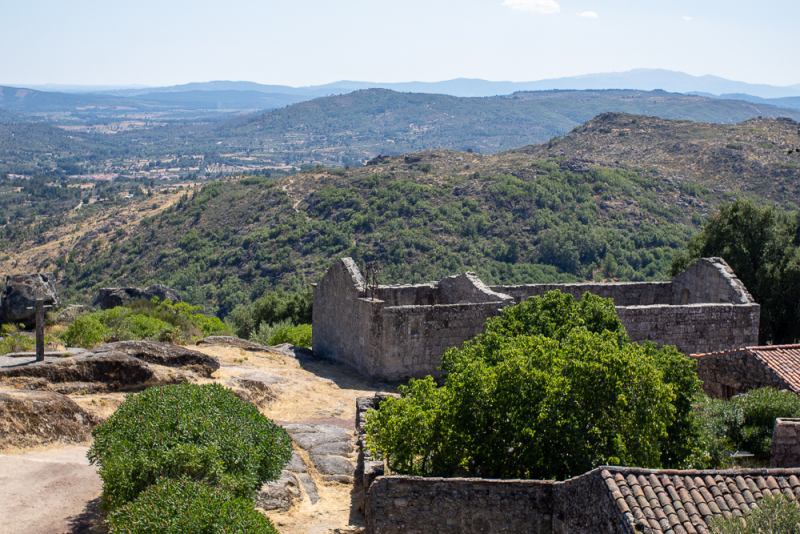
729 373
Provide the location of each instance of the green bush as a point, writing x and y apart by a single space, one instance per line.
16 342
201 431
283 332
183 506
745 423
142 319
271 309
774 515
519 404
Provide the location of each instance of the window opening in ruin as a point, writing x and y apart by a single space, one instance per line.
686 296
415 325
729 392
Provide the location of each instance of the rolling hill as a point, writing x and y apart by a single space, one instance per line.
564 210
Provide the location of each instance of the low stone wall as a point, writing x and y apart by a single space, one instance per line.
732 373
416 505
785 443
367 467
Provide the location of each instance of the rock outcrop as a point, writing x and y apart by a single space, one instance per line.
108 371
233 341
111 297
30 418
21 293
164 354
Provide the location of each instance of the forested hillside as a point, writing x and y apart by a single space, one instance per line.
558 211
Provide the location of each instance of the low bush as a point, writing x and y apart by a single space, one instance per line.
271 309
16 342
744 423
203 432
164 321
774 515
183 506
283 332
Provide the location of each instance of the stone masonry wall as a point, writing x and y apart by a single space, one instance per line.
416 505
785 443
342 317
695 328
411 340
622 293
709 280
732 373
584 505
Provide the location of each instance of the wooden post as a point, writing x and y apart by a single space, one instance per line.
39 330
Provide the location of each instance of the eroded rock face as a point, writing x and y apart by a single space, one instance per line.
329 448
114 370
111 297
29 418
164 354
21 293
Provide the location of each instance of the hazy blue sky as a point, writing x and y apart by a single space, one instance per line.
304 42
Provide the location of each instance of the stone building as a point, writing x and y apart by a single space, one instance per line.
396 332
619 500
729 373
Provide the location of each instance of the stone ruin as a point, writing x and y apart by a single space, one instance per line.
396 332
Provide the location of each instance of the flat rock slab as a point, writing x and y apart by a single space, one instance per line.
333 465
233 341
115 369
46 492
281 494
292 351
48 354
165 354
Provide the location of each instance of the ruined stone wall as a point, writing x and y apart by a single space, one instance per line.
695 328
410 340
731 373
623 293
709 280
342 318
785 443
416 505
410 295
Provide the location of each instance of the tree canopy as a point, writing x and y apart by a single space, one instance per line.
551 389
760 243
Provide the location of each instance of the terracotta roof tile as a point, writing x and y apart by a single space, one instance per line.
683 502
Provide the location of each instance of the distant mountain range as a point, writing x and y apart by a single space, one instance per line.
641 79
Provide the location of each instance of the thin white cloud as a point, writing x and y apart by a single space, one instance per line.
589 15
685 17
543 7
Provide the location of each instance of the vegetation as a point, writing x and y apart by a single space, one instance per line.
203 432
276 308
775 514
183 506
762 246
536 396
744 423
283 332
165 321
11 340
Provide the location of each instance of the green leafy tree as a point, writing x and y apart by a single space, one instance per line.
551 389
760 243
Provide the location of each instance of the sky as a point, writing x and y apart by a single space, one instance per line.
310 42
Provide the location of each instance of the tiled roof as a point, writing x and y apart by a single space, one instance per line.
783 360
683 502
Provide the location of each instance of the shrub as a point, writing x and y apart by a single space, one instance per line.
143 319
203 432
183 506
272 308
774 515
745 422
551 389
16 343
87 331
283 332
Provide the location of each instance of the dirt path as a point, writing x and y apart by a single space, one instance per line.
55 490
50 491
